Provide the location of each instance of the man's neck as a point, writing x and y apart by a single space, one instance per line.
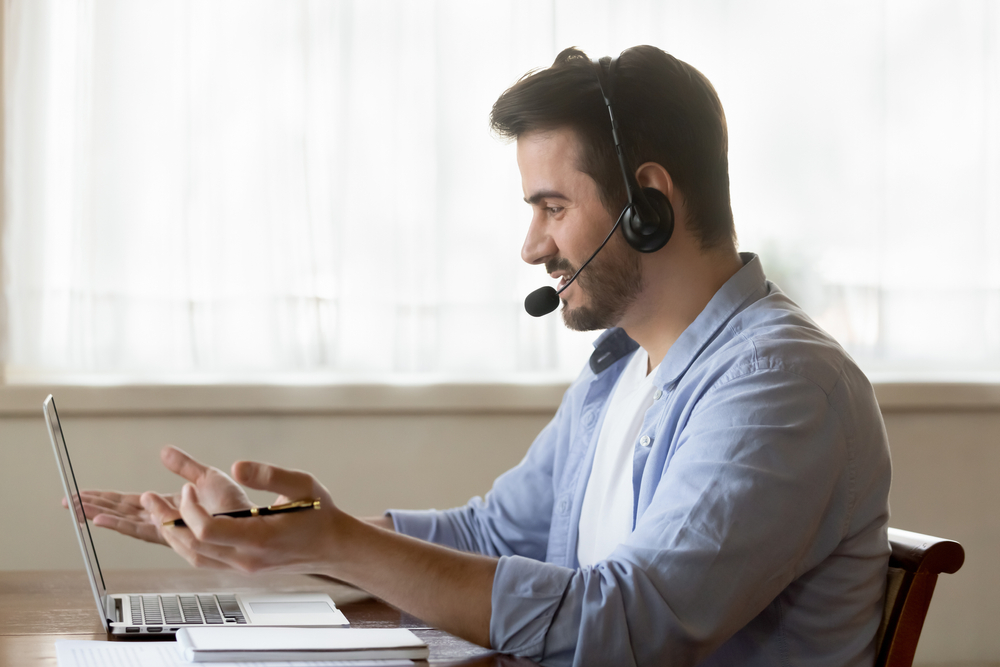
677 287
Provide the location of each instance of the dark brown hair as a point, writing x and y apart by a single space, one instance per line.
667 112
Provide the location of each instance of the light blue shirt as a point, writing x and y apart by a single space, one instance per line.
761 481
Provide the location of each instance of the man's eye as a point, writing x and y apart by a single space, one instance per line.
553 210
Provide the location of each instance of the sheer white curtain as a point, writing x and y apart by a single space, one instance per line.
866 171
242 187
224 189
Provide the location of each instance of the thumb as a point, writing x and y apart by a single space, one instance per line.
294 484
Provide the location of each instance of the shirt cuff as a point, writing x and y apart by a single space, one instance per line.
526 596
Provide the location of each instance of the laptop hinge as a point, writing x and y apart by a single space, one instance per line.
114 610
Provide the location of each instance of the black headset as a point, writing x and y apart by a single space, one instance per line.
648 218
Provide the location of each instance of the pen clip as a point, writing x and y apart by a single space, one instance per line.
294 505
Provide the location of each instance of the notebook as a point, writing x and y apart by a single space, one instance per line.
129 614
272 644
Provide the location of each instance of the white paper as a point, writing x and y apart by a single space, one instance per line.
78 653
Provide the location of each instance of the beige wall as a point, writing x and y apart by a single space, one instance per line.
945 467
409 453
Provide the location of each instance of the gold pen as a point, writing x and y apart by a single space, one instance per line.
296 506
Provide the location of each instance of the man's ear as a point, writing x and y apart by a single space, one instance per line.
654 175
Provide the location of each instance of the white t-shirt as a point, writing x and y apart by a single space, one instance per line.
606 518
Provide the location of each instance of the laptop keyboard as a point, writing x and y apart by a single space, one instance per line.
185 609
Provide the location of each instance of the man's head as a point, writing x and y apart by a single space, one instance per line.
668 113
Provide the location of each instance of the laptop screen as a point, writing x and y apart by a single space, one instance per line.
77 516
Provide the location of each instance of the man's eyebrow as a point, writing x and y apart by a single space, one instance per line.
545 194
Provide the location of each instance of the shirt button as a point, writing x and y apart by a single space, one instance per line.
658 394
645 440
589 418
563 506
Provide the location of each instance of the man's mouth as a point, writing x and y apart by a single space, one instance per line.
560 271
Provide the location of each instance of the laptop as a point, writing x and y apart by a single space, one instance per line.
146 614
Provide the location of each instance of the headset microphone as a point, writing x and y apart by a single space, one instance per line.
542 301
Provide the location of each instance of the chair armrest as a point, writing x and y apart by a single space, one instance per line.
915 552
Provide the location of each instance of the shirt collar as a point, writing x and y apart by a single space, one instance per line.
720 309
611 346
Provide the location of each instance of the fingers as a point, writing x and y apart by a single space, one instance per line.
112 498
195 516
94 511
180 463
159 508
293 484
196 542
217 530
142 530
120 504
121 512
176 540
97 502
198 553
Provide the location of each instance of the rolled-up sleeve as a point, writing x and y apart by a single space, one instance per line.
526 595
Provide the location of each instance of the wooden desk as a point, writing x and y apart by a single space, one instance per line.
39 607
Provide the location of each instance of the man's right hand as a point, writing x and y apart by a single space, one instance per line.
127 513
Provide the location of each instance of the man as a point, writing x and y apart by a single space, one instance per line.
713 488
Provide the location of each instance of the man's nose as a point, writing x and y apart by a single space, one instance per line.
538 244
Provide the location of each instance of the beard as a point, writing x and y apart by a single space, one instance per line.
612 282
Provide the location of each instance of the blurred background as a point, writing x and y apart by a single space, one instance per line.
282 230
233 189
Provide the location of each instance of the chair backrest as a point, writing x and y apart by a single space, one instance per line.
914 565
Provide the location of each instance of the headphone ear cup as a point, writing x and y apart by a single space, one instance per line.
648 223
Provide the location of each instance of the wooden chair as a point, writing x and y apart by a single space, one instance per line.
914 566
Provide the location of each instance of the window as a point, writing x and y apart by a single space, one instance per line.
204 190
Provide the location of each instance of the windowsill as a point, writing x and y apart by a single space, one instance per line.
444 398
283 399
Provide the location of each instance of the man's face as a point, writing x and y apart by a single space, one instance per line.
568 224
